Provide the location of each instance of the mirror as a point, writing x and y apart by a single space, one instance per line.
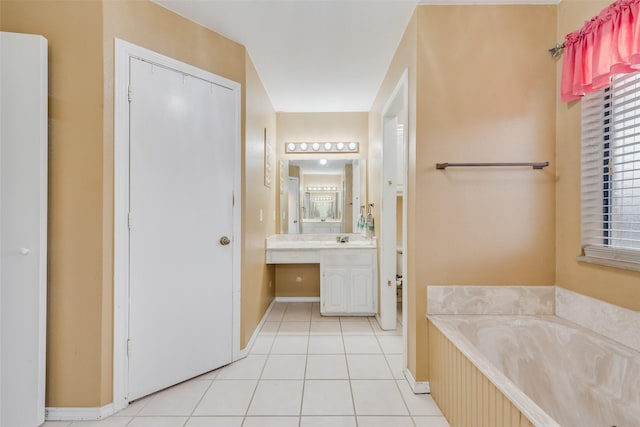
321 196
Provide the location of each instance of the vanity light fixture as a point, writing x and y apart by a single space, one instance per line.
322 147
314 188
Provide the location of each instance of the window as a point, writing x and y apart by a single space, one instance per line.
611 171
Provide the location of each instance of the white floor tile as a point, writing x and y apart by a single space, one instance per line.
229 397
391 344
262 344
290 344
278 398
361 344
326 344
356 328
327 397
107 422
248 368
418 404
285 367
275 315
269 328
271 422
158 422
385 422
176 401
294 328
431 422
377 397
133 409
395 363
325 328
354 319
335 421
214 422
368 367
297 315
326 367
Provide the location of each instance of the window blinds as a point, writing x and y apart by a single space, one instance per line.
611 170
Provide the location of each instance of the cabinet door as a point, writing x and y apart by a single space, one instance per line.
361 290
333 293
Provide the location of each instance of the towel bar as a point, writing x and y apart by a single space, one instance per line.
534 165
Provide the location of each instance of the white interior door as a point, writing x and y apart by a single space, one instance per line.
181 205
23 229
294 205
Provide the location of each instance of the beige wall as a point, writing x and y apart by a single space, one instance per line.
613 285
322 127
286 275
80 304
485 88
258 280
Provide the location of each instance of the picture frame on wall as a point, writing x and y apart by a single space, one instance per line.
268 161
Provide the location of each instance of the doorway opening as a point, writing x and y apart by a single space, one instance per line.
393 230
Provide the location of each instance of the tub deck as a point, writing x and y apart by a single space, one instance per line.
556 373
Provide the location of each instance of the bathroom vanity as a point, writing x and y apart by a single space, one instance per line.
347 270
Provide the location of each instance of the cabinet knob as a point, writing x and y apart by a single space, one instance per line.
224 241
388 282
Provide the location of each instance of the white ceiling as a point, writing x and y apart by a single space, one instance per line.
312 55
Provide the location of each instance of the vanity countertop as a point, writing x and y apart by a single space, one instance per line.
283 242
332 221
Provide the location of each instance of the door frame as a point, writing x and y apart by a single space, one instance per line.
123 52
297 199
398 103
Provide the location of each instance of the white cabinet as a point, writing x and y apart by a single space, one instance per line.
348 282
23 228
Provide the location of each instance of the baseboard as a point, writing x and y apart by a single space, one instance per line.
298 299
245 351
421 387
78 414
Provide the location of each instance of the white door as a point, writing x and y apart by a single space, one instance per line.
23 230
294 205
181 204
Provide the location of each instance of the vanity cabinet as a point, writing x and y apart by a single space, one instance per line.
348 282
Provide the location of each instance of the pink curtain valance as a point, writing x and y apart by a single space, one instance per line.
607 44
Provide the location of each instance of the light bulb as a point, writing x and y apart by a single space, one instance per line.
315 146
352 146
291 146
340 146
303 146
327 146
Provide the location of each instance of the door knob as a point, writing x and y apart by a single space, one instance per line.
224 241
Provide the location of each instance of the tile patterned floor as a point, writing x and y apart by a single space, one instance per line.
304 370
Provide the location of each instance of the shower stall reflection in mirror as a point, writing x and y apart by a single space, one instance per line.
393 229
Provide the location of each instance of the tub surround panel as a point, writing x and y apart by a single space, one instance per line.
614 322
495 300
555 373
466 396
